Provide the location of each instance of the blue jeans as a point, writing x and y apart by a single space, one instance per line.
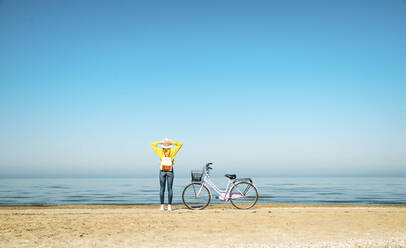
163 177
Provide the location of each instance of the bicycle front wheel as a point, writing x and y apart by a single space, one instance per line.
243 195
196 196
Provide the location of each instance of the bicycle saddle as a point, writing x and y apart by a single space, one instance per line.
231 176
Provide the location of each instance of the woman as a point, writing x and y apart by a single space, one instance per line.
166 154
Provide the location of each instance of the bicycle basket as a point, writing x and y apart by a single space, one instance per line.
197 175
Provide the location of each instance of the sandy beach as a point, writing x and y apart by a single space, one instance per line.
266 225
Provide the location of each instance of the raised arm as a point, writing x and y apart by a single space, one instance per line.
177 148
157 150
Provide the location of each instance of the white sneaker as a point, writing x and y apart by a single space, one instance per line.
162 207
169 207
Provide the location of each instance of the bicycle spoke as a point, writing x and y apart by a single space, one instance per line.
196 196
246 190
193 186
244 195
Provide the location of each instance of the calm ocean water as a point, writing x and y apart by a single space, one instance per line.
320 190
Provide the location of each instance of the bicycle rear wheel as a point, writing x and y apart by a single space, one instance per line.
196 196
243 195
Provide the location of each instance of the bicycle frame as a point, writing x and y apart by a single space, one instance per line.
223 195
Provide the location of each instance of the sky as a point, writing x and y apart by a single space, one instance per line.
259 88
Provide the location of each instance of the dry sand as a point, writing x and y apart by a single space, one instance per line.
267 225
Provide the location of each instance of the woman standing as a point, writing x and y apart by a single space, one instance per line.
166 153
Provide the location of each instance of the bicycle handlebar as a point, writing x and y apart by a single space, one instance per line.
208 166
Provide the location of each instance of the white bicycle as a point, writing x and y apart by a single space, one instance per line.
241 192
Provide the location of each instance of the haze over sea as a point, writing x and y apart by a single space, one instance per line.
307 190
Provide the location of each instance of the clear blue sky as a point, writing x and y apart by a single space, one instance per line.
262 88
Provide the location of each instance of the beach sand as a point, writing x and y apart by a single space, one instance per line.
266 225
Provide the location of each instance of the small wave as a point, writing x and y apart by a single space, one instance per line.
149 190
340 202
403 195
38 204
57 187
387 202
108 200
109 197
73 200
16 197
330 193
297 190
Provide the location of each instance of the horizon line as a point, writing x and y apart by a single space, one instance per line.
188 176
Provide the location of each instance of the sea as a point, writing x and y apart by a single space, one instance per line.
303 190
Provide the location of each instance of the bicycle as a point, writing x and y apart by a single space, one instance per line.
241 192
